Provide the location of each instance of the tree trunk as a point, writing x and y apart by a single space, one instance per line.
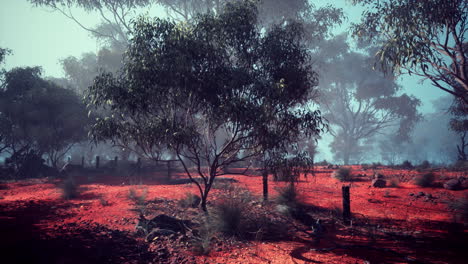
169 170
346 155
265 184
203 203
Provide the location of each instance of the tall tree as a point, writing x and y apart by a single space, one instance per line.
39 117
420 37
459 124
360 102
211 90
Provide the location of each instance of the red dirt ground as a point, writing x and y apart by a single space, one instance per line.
389 225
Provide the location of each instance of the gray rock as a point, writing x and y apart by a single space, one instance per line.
379 183
453 184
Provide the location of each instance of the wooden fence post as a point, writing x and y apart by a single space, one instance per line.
346 205
97 162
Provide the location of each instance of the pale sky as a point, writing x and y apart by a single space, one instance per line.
40 37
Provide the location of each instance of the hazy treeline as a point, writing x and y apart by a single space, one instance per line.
370 116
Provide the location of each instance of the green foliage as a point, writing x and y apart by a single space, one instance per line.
424 165
459 124
217 83
37 116
342 174
287 167
425 38
360 102
406 165
425 180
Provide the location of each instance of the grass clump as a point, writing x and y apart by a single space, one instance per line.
342 174
289 201
425 180
139 199
201 244
228 216
230 211
460 208
70 189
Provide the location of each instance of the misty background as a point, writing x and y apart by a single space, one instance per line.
40 36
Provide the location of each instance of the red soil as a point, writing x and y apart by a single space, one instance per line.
389 225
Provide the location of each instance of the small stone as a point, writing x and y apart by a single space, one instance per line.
453 184
420 194
411 194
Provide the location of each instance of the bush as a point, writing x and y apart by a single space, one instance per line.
69 189
230 210
201 244
322 163
406 165
190 200
425 180
342 174
138 199
424 165
460 208
460 165
289 200
228 217
287 195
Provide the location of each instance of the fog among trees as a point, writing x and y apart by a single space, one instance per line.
369 115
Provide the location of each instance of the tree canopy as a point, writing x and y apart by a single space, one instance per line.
38 117
421 37
214 91
360 102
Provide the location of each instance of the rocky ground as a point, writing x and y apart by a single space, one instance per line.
399 223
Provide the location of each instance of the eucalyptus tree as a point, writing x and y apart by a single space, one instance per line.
459 124
115 15
420 37
361 103
38 117
216 91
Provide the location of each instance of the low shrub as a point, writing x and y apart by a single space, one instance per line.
230 210
322 163
289 201
201 244
139 199
460 208
287 195
190 200
70 189
228 217
425 180
460 165
424 165
406 165
342 174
